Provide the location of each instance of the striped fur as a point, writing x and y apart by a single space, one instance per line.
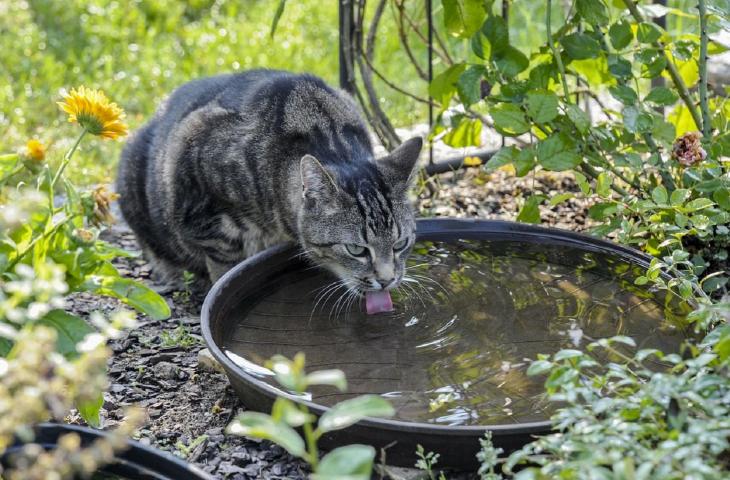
232 164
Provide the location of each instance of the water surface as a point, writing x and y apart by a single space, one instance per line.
472 314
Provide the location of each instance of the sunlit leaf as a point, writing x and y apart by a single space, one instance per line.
351 462
262 426
352 411
509 119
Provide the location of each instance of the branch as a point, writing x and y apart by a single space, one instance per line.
706 122
388 135
444 56
404 41
396 87
556 54
671 69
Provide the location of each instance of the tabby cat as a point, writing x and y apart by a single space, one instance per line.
232 164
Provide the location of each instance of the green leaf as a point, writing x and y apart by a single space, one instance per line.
698 204
335 378
592 11
579 46
582 182
603 185
636 120
679 196
262 426
497 33
466 134
352 411
524 162
5 346
578 117
661 96
89 410
624 94
511 61
621 34
462 18
509 119
653 62
648 32
286 411
469 85
619 66
530 211
557 153
351 462
722 197
660 195
560 198
567 354
504 156
443 86
70 330
135 294
601 211
542 105
539 367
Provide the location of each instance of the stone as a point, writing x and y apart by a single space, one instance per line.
207 363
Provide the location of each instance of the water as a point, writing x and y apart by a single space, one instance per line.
456 349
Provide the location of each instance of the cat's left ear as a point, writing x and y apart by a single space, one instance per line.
397 167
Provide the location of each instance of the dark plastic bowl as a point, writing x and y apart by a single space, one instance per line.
457 445
137 462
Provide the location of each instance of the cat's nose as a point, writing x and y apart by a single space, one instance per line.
385 282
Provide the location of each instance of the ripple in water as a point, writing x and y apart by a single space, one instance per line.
468 319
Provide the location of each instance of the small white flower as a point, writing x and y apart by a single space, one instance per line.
90 342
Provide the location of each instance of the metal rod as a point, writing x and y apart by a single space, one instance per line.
346 25
429 18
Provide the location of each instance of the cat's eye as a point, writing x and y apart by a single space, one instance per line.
356 250
400 244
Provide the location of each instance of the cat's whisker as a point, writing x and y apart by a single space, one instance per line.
326 294
335 307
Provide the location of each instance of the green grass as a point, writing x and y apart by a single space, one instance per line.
138 51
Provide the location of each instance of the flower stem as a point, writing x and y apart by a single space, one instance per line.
66 160
556 54
311 438
706 123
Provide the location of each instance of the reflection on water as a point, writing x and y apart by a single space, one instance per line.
467 321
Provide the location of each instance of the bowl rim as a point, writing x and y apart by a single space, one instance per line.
430 227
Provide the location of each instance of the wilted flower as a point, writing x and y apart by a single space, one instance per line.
688 150
97 205
92 110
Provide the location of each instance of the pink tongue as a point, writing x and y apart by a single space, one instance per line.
378 302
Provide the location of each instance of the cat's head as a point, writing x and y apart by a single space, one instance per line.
356 219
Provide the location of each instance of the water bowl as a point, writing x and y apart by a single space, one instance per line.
480 300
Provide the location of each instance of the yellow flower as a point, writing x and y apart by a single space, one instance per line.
35 150
92 110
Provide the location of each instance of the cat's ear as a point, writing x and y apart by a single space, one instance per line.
317 181
397 167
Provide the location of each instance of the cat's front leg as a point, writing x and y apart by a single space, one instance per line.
217 269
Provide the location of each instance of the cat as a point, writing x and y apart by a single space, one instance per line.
232 164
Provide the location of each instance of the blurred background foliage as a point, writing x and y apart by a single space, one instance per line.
140 50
